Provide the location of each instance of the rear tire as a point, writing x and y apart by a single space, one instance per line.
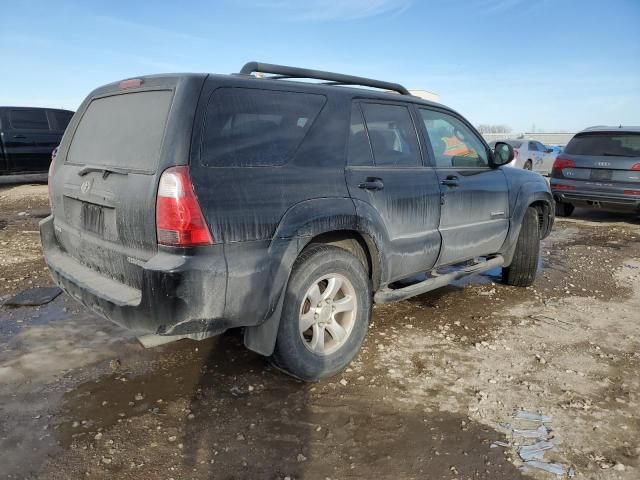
336 328
564 209
524 265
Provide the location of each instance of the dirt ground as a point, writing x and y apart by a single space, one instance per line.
437 380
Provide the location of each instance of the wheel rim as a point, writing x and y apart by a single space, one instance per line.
327 314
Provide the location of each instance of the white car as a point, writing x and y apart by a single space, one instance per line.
530 155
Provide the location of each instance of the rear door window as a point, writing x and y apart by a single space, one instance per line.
533 147
359 147
35 119
246 127
392 135
124 130
605 144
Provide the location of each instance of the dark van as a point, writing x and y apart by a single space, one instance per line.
28 136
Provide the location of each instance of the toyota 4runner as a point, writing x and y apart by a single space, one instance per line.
185 205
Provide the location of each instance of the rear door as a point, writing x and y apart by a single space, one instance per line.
107 170
29 140
606 162
386 173
475 207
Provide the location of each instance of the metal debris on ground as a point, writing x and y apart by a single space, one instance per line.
562 324
532 454
534 417
33 297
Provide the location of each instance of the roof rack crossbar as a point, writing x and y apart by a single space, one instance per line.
283 71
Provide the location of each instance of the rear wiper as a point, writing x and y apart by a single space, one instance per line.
105 171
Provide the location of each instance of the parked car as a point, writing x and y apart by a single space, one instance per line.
185 205
531 155
600 168
28 136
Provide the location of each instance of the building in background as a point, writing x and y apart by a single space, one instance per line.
425 95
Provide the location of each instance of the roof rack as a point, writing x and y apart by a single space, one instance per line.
283 71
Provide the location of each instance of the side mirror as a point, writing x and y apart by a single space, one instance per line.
502 154
549 150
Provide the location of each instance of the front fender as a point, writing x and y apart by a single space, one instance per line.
527 194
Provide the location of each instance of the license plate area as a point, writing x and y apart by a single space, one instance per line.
601 175
92 218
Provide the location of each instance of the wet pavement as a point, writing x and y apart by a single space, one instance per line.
438 375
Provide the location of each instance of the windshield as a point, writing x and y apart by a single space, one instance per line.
605 144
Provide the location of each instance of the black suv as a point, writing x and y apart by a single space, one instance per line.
185 205
28 136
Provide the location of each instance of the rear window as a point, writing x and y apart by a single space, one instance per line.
29 119
605 144
122 131
247 127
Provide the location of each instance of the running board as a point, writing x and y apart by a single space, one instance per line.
388 295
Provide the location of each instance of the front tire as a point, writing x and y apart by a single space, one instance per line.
528 165
524 265
326 313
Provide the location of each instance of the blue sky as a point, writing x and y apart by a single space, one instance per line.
555 64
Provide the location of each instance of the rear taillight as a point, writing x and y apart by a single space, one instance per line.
179 220
561 163
632 192
54 155
516 153
635 166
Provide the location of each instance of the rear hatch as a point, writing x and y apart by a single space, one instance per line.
105 178
607 162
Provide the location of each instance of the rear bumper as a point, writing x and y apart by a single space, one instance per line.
180 294
596 199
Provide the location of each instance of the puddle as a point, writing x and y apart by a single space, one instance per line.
229 415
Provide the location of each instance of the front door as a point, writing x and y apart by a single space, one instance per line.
387 180
474 218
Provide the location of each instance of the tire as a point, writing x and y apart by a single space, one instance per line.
323 349
528 165
524 265
564 209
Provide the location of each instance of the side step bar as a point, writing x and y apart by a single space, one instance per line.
388 295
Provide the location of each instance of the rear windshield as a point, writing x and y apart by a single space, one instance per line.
122 131
605 144
248 127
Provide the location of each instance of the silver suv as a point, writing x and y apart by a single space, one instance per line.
600 168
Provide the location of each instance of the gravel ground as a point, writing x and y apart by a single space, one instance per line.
437 380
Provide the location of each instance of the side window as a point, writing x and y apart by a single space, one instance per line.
392 135
29 119
359 153
62 118
247 127
533 147
453 143
541 147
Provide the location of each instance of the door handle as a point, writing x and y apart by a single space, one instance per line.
372 184
19 136
450 181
